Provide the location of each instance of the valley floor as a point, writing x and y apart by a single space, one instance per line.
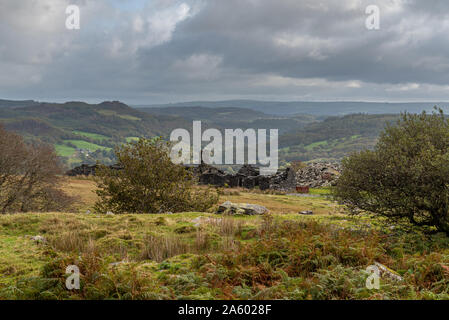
201 255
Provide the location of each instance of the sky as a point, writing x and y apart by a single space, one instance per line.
164 51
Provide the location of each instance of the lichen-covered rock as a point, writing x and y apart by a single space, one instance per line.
387 272
241 208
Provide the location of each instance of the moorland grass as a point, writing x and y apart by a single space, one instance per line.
200 255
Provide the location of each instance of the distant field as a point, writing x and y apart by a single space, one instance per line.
91 135
87 145
63 150
327 150
123 116
315 144
131 139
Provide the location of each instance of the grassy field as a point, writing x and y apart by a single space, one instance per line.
201 255
131 139
87 145
123 116
64 151
95 136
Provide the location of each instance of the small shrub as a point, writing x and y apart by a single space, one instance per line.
149 182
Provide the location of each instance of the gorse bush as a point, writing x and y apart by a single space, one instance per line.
149 182
406 176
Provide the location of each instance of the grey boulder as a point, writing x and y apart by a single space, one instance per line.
241 209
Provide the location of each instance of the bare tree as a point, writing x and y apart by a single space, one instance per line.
28 176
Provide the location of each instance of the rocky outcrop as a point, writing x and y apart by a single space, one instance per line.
241 208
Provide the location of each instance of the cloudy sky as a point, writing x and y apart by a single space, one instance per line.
157 51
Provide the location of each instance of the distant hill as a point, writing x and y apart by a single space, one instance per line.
208 113
231 117
83 132
337 108
334 138
302 137
14 103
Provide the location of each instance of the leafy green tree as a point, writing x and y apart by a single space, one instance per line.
149 182
406 176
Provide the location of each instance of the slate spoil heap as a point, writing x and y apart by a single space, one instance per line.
318 174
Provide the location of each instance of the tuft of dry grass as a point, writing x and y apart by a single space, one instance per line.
159 248
228 226
202 241
69 241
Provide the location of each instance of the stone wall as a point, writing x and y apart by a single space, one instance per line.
313 176
247 177
88 170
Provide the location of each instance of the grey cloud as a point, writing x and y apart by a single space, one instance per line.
287 50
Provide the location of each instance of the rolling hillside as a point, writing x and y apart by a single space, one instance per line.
333 138
332 108
232 118
84 132
17 103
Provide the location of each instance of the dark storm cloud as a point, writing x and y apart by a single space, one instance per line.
169 50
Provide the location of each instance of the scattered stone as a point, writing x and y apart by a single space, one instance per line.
197 220
39 239
241 208
109 213
169 212
115 264
88 212
307 212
